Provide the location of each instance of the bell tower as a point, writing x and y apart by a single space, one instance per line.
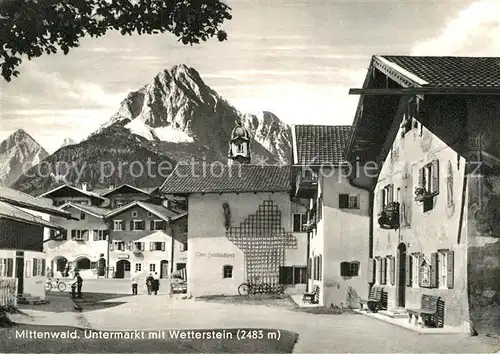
239 145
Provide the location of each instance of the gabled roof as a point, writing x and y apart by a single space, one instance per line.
448 71
124 188
180 216
391 75
88 209
158 210
70 190
8 211
219 178
316 145
23 200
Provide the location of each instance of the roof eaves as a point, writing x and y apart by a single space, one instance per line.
408 75
294 145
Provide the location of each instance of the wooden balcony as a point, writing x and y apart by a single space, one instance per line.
306 185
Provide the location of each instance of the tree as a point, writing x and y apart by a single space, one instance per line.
35 27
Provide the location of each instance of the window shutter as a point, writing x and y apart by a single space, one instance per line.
151 225
131 226
43 267
450 273
297 225
151 246
111 246
143 246
163 246
86 235
384 271
34 267
282 275
10 267
435 176
390 191
434 270
408 270
371 270
393 270
343 201
421 177
64 234
344 269
379 270
320 270
95 235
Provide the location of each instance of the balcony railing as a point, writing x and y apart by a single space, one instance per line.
307 184
389 218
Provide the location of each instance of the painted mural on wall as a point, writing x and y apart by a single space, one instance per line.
263 241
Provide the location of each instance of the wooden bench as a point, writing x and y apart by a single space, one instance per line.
312 297
375 299
431 312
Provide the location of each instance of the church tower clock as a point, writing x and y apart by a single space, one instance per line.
239 145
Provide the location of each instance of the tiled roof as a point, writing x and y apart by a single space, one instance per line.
320 144
11 212
452 72
219 178
158 210
27 201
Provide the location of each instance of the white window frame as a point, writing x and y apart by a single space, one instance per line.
134 213
117 245
415 272
118 222
150 214
3 267
443 269
428 172
152 267
303 220
138 267
162 244
352 205
139 246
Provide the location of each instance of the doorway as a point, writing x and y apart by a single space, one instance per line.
20 272
401 292
163 269
122 269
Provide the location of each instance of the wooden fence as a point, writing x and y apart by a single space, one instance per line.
8 292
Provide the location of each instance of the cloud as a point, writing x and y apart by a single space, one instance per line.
474 32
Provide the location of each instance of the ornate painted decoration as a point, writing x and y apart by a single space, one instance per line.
425 272
263 241
449 190
426 141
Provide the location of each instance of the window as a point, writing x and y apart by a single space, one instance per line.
240 149
137 225
38 267
184 247
298 222
152 267
134 214
139 246
348 201
138 267
149 214
119 245
349 269
382 270
428 177
82 216
100 235
293 275
445 271
387 195
156 225
6 267
227 271
449 185
80 235
118 225
157 246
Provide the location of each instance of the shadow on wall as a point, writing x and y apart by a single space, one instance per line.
484 287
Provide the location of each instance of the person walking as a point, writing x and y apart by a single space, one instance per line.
156 283
149 283
135 279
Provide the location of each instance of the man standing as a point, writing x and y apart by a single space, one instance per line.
135 279
156 283
79 284
149 283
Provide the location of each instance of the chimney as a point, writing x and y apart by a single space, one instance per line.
84 186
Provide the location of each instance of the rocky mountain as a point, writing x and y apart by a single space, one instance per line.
19 151
180 110
67 142
176 117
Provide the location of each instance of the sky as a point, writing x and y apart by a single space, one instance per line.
295 58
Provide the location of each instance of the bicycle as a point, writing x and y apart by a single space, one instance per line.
254 287
55 283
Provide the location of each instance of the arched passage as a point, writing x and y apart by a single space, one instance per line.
164 269
82 263
58 265
122 269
